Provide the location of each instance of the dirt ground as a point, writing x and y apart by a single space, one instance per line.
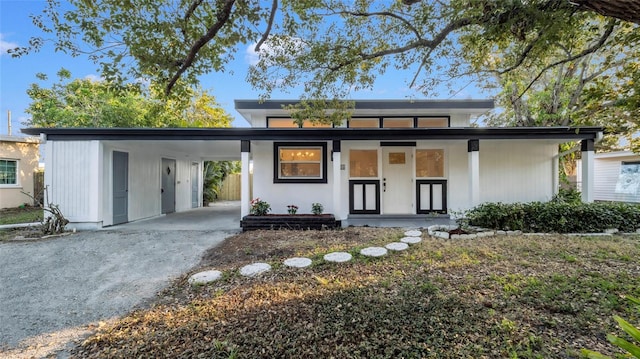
270 245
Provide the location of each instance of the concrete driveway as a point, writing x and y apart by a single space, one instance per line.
52 291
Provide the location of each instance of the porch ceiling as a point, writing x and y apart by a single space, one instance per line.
206 150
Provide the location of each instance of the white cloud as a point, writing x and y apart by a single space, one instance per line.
6 45
275 46
93 77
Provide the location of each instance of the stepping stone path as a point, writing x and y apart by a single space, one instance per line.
397 246
253 269
205 277
373 251
297 262
411 240
413 233
337 257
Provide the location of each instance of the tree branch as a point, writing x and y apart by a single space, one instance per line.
222 18
585 52
421 43
384 13
274 8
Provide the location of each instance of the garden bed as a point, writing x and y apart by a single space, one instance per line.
289 221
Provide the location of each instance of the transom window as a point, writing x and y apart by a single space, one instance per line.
430 163
364 122
8 172
274 122
402 122
300 162
432 122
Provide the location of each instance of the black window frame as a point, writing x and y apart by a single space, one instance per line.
276 162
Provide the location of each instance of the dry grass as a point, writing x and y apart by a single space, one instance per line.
526 297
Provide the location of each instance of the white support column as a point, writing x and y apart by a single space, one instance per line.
337 180
245 150
473 147
588 172
555 175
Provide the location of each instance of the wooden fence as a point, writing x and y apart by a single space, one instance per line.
231 187
38 187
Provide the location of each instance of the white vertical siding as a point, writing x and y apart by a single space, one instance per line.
72 177
607 175
516 171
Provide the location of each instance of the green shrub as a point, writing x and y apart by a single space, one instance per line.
556 216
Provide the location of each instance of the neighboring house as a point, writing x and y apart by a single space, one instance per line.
391 158
18 162
617 177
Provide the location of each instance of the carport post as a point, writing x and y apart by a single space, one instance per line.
245 150
587 148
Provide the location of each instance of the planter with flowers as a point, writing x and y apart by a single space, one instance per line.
260 218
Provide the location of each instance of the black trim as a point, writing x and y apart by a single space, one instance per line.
364 197
473 146
276 162
587 145
315 134
245 146
336 146
444 196
398 144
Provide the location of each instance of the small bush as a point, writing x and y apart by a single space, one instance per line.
259 207
556 216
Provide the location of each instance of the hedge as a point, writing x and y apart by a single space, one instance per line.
556 216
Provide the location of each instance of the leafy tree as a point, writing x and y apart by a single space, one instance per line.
89 103
330 47
215 172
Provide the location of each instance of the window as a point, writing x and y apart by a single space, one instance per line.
9 172
288 123
300 162
402 122
429 163
363 163
433 122
364 123
629 179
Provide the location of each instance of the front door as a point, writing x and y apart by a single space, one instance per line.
195 190
168 190
397 180
120 187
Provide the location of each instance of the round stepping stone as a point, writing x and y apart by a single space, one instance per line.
413 233
397 246
253 269
205 277
297 262
373 251
411 240
337 257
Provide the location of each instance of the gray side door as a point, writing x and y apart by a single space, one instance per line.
120 187
168 190
195 190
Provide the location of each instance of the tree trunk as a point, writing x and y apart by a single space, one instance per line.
628 10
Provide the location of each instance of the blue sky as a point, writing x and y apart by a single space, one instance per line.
17 74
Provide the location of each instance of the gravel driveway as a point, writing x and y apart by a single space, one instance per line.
54 290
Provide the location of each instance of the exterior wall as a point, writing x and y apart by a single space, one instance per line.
516 171
26 152
74 180
279 195
145 180
607 178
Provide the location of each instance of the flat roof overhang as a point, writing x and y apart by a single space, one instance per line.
316 134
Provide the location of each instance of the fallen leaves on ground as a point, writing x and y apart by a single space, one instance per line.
526 297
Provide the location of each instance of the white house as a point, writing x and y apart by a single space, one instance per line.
392 157
617 177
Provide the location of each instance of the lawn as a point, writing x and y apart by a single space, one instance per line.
500 297
26 214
